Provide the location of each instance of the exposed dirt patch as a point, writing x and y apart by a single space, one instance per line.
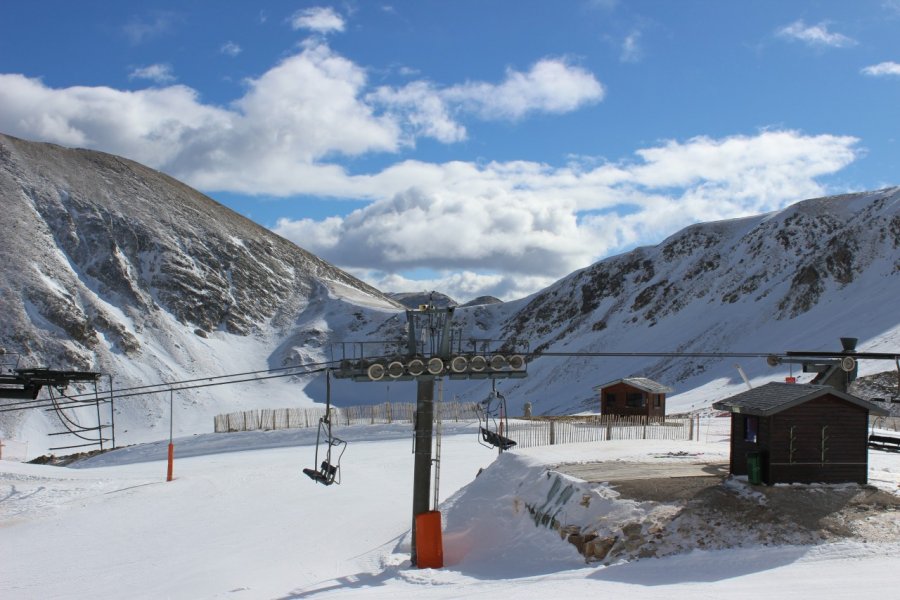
62 461
827 511
682 512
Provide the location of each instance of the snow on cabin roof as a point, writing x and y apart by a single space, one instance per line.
775 397
641 383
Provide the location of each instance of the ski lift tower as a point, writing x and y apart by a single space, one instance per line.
431 350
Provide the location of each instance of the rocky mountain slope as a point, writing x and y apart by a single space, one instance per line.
110 266
796 279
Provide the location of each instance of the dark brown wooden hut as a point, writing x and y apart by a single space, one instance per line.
633 396
803 433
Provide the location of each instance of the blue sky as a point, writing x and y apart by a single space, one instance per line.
470 147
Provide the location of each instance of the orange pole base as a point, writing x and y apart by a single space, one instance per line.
429 545
171 460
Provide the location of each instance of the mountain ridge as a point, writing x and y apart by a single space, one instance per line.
114 267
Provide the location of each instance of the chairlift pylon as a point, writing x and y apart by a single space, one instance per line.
329 470
492 420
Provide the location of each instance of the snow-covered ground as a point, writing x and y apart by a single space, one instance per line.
241 521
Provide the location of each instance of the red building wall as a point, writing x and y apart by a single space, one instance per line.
614 401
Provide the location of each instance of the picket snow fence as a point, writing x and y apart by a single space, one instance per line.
527 433
547 431
298 418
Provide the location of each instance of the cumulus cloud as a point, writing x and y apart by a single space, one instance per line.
158 73
506 229
283 135
549 86
154 126
815 35
318 19
883 69
422 109
268 141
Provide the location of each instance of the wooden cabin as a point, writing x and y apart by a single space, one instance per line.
803 433
633 396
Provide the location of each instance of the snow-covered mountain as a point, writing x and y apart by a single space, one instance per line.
797 279
110 266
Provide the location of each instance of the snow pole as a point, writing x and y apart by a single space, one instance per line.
171 445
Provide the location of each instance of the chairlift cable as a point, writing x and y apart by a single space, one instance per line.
165 387
66 421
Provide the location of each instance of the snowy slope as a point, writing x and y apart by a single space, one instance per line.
797 279
240 521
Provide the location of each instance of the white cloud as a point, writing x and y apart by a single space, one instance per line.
492 225
498 228
421 108
461 286
550 86
815 35
318 19
631 48
230 48
283 135
158 73
304 109
883 69
157 126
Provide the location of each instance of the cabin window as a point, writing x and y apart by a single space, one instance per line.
610 398
635 400
657 401
751 428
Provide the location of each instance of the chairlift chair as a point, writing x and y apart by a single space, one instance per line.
329 470
490 411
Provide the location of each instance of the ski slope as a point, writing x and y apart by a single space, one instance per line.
240 521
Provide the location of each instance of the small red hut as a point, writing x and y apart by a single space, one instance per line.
633 396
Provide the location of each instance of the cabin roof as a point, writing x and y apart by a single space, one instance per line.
775 397
641 383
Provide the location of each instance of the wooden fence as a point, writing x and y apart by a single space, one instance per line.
527 433
546 431
892 423
298 418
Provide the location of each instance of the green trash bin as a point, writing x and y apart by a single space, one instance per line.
754 467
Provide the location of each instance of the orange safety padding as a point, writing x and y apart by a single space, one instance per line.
429 545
